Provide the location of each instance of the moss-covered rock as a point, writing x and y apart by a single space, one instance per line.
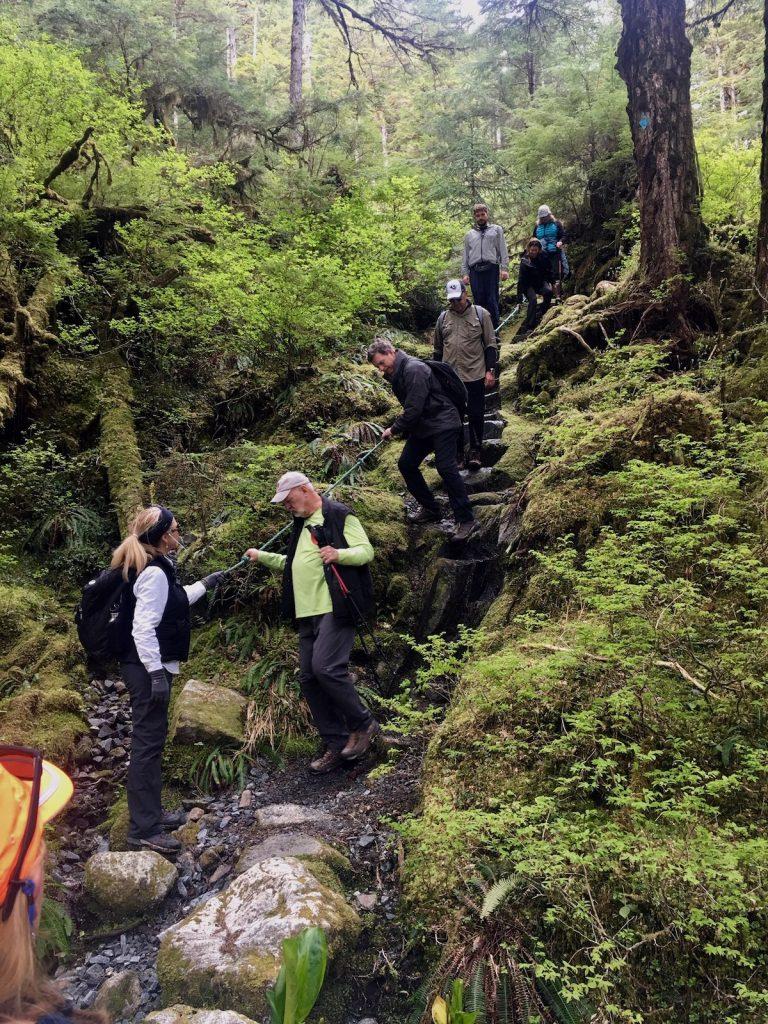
120 995
127 885
306 848
208 714
227 953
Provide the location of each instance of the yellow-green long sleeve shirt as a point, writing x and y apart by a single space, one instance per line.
310 589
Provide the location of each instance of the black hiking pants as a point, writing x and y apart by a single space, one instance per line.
325 644
444 446
533 315
485 289
150 729
475 415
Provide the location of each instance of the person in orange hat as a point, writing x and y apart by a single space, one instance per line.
32 791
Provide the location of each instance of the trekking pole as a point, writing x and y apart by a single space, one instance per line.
317 533
511 316
268 543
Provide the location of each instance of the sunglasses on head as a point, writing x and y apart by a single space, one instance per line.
27 766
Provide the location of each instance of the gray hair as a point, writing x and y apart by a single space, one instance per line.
380 347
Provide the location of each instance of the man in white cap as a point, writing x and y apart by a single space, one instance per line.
484 260
327 543
465 339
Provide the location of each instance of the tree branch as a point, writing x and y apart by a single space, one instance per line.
714 16
68 157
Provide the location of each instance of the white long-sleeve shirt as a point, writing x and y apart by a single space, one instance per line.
151 593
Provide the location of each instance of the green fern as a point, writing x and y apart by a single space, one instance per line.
476 994
565 1013
497 894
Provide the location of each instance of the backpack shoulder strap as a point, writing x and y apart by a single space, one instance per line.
439 324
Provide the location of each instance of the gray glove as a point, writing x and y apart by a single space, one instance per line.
209 582
161 691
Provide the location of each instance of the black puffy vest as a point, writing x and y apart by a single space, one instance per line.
356 577
175 627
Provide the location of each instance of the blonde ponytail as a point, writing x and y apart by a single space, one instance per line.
132 555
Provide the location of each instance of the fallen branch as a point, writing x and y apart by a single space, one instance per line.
578 337
685 674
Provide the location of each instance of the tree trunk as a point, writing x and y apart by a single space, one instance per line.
295 90
118 447
231 52
761 269
307 60
255 29
654 59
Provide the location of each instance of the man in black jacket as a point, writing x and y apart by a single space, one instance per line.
430 422
535 278
327 539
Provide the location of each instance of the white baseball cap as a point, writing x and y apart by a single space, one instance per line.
454 289
544 211
286 483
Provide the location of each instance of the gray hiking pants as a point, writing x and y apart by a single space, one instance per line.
325 644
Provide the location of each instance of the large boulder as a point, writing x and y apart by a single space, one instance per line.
122 886
181 1014
227 953
208 714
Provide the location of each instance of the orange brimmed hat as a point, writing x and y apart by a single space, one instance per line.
21 829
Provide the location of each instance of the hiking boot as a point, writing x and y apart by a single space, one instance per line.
171 820
465 530
330 760
359 742
160 843
425 515
475 461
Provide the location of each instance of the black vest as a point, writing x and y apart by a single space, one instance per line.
175 627
356 577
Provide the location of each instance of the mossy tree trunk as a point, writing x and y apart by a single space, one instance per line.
24 326
654 60
761 269
119 446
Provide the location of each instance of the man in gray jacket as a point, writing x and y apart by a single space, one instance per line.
484 260
430 422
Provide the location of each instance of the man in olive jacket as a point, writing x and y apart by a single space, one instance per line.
465 339
431 423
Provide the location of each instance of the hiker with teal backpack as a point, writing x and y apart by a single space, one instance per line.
434 401
465 339
551 233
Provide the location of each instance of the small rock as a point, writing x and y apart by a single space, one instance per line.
127 884
221 872
367 900
283 815
212 856
365 841
120 996
196 814
246 799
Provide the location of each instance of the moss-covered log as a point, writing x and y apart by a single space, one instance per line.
119 446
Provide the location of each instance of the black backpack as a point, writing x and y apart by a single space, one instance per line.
104 616
450 383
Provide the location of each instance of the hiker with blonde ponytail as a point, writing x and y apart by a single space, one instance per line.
158 642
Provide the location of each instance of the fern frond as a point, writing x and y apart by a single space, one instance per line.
497 894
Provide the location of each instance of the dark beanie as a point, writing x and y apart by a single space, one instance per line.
154 533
